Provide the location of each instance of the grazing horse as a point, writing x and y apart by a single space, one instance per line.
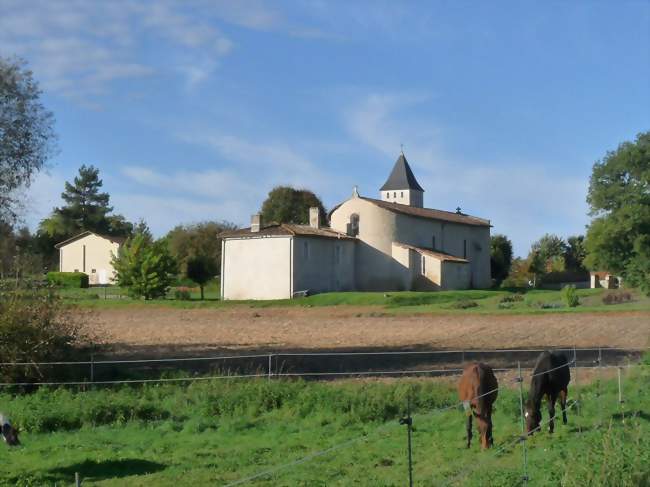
551 377
9 433
478 389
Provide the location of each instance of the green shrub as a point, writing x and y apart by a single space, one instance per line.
570 296
182 294
512 298
36 327
464 304
68 279
505 305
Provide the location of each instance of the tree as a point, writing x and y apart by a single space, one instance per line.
500 257
86 209
574 254
285 204
146 268
619 200
187 241
201 269
27 138
549 246
536 265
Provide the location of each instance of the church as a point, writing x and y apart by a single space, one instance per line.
391 243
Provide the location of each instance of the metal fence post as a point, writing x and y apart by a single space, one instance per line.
524 435
270 365
599 392
408 421
575 374
620 395
92 368
77 480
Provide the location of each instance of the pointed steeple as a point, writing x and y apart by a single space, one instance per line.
401 177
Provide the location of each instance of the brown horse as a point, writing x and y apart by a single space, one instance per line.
478 389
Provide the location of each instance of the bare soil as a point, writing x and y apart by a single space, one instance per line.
161 331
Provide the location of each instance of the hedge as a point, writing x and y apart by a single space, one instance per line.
68 279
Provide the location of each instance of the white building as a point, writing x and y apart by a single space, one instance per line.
90 253
385 244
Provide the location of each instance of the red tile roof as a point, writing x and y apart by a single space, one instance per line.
288 229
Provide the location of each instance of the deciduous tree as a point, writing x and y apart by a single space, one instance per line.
500 257
27 137
285 204
201 269
618 238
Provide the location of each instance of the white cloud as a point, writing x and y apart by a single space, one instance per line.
79 48
519 197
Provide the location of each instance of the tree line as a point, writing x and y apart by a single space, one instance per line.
617 239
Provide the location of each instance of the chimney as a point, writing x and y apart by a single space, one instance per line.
314 217
256 223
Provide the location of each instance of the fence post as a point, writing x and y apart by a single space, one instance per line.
77 480
599 392
408 421
524 435
575 374
270 365
92 368
620 395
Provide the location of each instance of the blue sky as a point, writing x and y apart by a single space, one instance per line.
194 110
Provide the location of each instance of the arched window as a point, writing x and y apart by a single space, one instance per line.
354 225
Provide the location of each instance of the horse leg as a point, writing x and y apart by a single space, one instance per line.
563 395
551 412
483 431
469 430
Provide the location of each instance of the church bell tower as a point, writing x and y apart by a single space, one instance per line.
401 186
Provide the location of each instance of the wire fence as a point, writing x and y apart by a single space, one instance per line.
592 358
275 365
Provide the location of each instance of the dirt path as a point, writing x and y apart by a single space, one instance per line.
153 331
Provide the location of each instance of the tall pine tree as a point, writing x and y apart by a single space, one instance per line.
86 208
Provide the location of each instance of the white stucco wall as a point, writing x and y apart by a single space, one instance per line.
456 275
379 228
257 268
98 253
320 267
375 266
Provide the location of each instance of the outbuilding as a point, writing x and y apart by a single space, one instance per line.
90 253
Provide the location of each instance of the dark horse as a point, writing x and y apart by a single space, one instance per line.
9 433
478 389
551 377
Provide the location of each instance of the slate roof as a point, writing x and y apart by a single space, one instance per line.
429 213
401 177
286 229
433 253
118 240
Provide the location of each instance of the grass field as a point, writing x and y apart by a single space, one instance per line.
214 433
470 301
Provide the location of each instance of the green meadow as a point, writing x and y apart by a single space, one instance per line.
515 301
220 432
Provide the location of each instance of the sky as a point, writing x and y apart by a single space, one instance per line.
195 110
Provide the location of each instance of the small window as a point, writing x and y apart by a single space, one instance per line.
464 249
305 250
402 194
94 271
388 194
354 225
394 194
424 265
76 270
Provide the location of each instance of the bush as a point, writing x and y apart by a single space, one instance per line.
506 305
464 304
68 279
512 298
617 298
570 296
35 327
182 294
